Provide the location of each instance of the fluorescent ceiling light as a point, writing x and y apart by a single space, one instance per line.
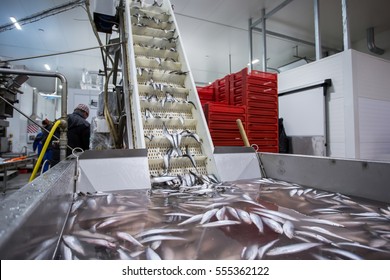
49 96
47 67
15 22
254 61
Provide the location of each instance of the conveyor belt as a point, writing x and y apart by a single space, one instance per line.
173 125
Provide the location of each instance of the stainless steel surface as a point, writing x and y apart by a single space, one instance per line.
236 163
35 213
264 40
366 179
110 170
345 22
308 145
317 32
64 98
5 167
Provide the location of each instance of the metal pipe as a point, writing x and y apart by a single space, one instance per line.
64 101
126 82
269 14
346 34
317 30
250 45
371 42
293 39
264 37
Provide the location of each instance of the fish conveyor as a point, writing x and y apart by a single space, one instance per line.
173 195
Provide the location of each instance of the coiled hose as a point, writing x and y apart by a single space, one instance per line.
47 142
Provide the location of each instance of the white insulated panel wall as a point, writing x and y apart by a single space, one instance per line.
359 107
371 86
327 68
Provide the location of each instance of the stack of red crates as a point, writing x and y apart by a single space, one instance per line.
221 120
222 90
206 94
258 92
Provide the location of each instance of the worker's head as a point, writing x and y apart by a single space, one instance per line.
45 122
83 109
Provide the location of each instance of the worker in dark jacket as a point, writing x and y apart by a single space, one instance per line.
78 132
78 128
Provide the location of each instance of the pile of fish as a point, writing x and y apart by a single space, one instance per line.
259 219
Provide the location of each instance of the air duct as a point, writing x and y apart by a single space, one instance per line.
371 42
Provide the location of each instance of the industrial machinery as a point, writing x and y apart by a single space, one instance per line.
158 188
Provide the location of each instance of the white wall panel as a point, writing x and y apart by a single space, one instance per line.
371 88
372 76
328 68
303 113
374 132
336 121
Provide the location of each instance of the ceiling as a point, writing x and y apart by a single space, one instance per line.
214 33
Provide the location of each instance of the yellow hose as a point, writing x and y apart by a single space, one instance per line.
47 142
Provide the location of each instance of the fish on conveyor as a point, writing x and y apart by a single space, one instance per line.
190 157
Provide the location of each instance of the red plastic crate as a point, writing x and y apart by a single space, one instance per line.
206 93
262 135
254 119
262 112
262 127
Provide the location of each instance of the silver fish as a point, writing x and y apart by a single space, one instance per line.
221 223
250 252
291 249
99 242
158 231
275 226
277 213
233 212
288 229
193 219
322 221
221 213
123 255
327 232
314 236
355 244
244 216
343 253
161 237
128 237
151 254
263 249
208 215
256 219
73 243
